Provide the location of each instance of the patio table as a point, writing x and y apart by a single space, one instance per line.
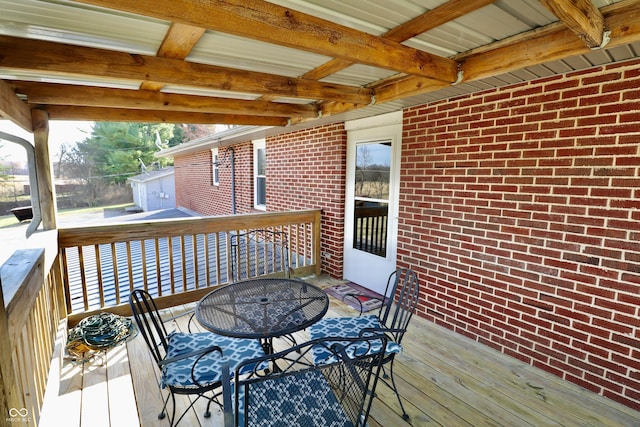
262 308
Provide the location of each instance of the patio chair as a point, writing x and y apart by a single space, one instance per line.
259 252
298 393
190 364
400 301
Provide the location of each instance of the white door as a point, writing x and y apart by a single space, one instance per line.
371 205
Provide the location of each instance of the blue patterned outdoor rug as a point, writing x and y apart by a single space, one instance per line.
369 299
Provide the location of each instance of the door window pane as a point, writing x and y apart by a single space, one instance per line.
373 163
371 204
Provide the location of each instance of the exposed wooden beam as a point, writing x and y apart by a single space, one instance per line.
177 44
268 22
86 96
427 21
69 60
549 43
435 17
581 16
395 89
96 114
180 40
390 90
12 108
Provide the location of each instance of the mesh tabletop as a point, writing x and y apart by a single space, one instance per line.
262 308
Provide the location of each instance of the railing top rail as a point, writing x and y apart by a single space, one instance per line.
139 230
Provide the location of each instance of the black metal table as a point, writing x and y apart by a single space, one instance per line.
262 308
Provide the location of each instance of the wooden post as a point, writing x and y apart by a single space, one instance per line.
46 187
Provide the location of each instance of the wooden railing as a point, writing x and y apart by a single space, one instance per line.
176 260
31 315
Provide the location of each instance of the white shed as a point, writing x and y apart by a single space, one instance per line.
154 189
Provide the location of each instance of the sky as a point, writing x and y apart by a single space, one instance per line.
60 132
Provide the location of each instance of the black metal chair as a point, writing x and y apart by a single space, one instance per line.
399 304
190 364
297 392
259 252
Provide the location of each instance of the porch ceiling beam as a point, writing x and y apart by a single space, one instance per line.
580 16
12 108
177 44
552 43
549 43
427 21
70 60
96 114
62 94
271 23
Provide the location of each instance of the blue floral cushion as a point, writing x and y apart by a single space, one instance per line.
348 327
293 400
209 368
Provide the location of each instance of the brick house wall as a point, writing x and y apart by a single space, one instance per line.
194 185
520 207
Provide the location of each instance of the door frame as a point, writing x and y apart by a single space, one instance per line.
374 275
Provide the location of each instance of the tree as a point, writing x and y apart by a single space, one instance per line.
188 132
116 151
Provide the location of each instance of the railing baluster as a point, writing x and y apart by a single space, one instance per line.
207 276
64 253
116 277
129 268
218 265
172 277
96 249
184 264
196 273
83 278
156 245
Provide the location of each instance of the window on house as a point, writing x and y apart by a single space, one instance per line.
215 170
260 174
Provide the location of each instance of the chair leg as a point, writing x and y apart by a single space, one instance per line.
162 415
405 416
207 413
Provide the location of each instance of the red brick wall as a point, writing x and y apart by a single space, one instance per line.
194 188
306 170
520 208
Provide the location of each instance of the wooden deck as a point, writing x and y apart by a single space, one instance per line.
445 379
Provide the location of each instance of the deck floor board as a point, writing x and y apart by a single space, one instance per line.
445 379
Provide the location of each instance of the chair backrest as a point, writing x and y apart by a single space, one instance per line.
295 392
259 252
402 294
149 323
